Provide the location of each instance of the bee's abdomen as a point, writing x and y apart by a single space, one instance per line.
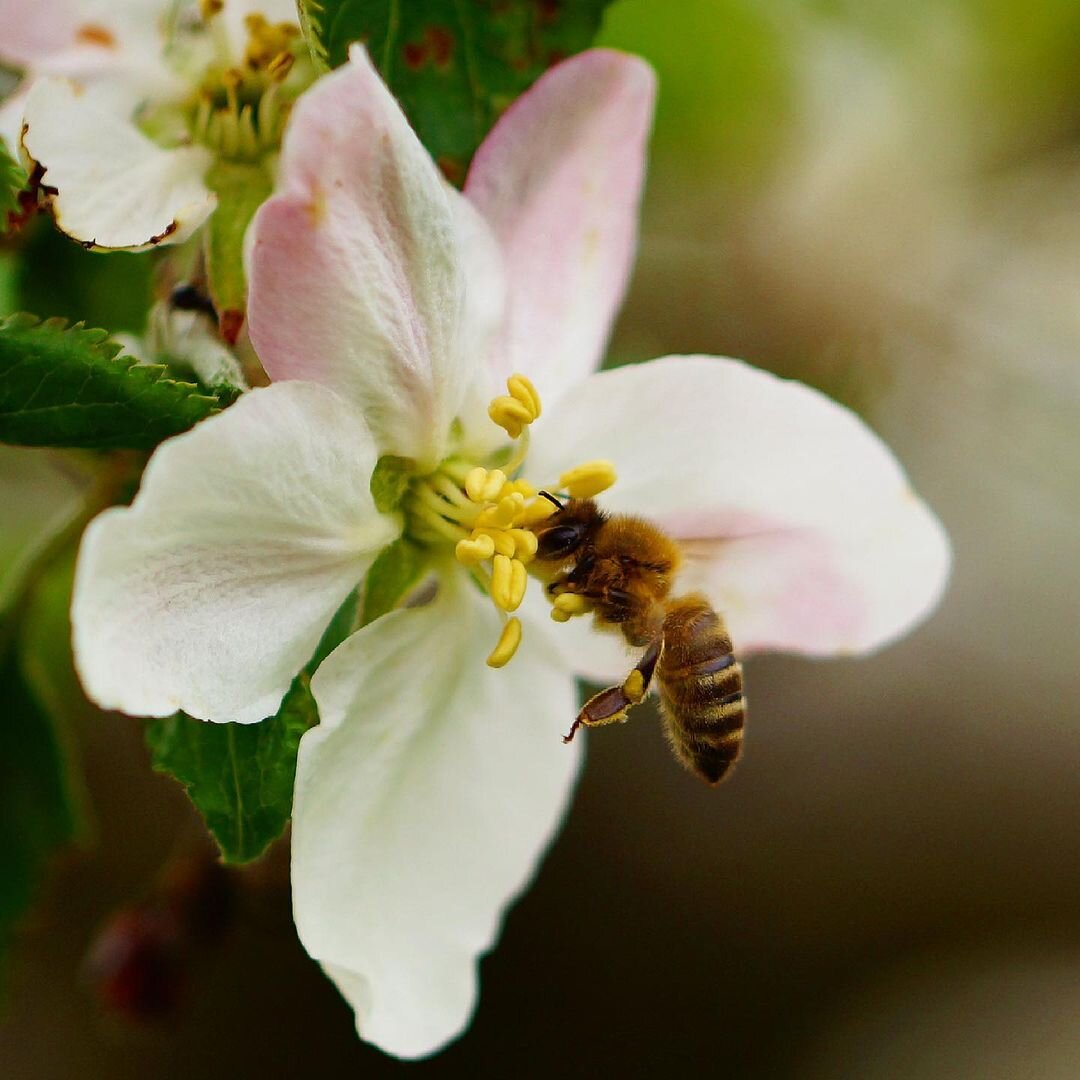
701 689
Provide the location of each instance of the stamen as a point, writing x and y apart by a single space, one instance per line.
509 640
522 389
501 538
525 543
484 486
566 605
501 576
589 479
476 549
536 512
510 414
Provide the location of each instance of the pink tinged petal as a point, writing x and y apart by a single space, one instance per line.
212 590
114 187
34 31
796 518
559 179
89 40
424 800
356 274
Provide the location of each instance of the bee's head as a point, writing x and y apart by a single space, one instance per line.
574 524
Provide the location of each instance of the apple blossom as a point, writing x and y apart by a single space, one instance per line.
128 106
398 320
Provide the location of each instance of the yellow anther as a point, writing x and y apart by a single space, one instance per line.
482 485
525 543
535 512
475 550
519 581
522 487
501 539
509 640
510 415
278 69
521 389
504 514
209 8
634 686
567 605
502 578
587 480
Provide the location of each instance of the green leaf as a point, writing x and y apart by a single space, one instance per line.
389 482
240 776
241 188
13 181
454 65
392 574
67 386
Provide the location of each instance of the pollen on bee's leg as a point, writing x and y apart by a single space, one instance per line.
588 479
508 643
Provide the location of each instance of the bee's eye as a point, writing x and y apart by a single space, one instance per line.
558 542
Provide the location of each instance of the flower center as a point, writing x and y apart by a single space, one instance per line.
239 102
241 108
487 513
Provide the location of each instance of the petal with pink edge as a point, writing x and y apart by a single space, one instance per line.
115 189
211 591
795 517
356 275
424 800
559 180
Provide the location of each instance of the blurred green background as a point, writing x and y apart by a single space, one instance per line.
882 199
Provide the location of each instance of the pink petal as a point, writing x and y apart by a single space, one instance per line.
559 180
356 267
795 517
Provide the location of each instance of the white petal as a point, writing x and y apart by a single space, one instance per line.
423 801
115 188
798 520
211 591
356 273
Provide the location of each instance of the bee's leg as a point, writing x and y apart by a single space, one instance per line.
612 705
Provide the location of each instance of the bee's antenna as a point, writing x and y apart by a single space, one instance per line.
550 498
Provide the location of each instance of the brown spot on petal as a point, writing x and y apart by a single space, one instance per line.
230 325
169 230
93 34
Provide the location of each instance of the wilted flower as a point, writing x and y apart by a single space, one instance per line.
132 110
391 311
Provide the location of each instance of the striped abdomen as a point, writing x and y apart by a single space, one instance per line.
701 689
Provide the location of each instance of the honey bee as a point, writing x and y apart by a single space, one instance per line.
623 567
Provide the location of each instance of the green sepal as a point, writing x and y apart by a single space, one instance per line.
69 386
393 573
454 65
241 188
389 482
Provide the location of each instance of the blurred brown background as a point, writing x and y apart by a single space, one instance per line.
884 200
